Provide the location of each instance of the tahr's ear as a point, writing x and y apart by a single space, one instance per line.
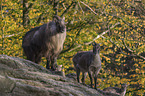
94 43
56 18
63 21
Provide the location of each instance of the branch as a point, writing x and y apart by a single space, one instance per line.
134 55
39 18
72 43
68 8
81 7
89 8
12 35
63 51
103 33
127 46
96 37
132 51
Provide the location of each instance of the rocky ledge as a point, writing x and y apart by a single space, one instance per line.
19 77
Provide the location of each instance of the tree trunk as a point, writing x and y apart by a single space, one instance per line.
26 20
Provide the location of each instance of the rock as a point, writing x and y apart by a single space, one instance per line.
19 77
72 75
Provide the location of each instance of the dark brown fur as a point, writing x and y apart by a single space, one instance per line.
45 41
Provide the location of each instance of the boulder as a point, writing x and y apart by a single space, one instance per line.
20 77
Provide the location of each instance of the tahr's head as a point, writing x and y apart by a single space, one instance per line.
124 85
96 47
60 23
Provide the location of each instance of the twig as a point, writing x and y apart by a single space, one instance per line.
127 46
103 33
132 51
89 8
72 43
63 6
12 35
68 8
134 55
80 7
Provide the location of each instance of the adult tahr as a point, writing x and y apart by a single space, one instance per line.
45 41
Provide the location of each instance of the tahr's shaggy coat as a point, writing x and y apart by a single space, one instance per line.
45 41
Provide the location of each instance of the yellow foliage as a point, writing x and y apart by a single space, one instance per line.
130 29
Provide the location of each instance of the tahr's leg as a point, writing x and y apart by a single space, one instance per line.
84 77
47 65
37 58
54 65
95 76
95 80
29 53
78 74
91 79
